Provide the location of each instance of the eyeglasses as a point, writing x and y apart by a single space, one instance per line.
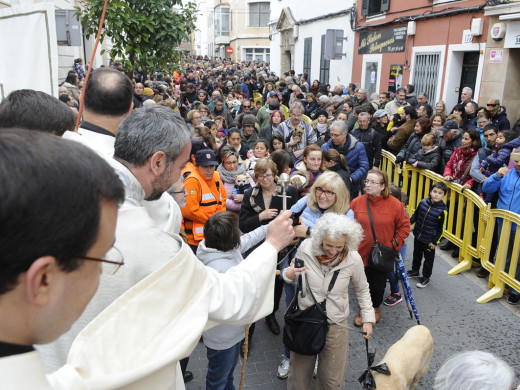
231 163
371 182
114 259
327 193
268 176
246 106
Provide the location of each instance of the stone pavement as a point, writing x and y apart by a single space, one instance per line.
447 306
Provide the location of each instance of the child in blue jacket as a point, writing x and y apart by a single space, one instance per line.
430 219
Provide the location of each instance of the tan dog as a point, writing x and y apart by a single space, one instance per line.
407 360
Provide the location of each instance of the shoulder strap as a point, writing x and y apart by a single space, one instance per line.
332 282
371 222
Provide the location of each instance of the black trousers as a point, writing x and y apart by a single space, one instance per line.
421 249
377 283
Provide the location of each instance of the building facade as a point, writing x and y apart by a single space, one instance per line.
436 45
298 34
239 30
501 74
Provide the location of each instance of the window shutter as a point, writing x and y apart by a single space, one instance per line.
364 7
385 5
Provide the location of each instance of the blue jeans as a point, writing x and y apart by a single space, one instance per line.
392 277
221 365
289 295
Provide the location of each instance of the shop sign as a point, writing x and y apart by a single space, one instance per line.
384 40
396 77
512 39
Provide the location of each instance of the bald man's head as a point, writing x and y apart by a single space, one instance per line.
108 92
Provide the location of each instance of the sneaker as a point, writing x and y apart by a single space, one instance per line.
412 273
513 299
393 299
283 368
423 282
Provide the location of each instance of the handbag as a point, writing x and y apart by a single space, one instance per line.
305 331
382 258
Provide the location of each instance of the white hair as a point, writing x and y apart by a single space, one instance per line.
474 370
333 225
468 89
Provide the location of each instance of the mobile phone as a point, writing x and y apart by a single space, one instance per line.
299 263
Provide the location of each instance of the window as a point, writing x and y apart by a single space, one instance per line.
324 64
222 21
426 73
374 7
259 14
260 54
307 55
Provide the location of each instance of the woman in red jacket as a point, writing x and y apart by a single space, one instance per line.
390 222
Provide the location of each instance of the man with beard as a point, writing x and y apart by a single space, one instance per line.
400 100
151 148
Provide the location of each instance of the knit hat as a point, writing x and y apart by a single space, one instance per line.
321 112
324 99
248 119
379 114
229 84
148 92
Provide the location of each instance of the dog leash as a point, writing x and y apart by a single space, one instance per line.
367 379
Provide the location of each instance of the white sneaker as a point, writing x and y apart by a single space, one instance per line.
283 368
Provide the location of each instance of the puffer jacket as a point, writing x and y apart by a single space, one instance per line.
318 278
430 220
412 146
372 142
427 160
356 158
448 147
499 158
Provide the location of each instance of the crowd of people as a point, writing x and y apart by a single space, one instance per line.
213 155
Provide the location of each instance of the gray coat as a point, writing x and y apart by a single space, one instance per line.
225 336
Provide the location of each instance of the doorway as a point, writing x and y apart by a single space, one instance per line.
468 77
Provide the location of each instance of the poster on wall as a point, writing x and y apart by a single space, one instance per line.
384 40
395 80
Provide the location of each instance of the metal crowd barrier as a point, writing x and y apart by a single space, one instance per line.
470 226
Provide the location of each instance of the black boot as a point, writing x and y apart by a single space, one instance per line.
272 324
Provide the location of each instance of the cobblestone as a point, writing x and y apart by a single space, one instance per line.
447 306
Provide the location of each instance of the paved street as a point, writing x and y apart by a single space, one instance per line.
447 306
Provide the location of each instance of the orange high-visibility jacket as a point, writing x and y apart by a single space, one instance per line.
205 198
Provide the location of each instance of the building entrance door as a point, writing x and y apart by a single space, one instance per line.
468 77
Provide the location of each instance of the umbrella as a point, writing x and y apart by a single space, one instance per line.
407 290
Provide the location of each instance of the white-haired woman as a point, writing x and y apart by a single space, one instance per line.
332 246
474 370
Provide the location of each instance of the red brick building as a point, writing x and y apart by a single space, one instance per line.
436 45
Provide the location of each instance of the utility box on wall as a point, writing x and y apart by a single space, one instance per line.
68 29
333 44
